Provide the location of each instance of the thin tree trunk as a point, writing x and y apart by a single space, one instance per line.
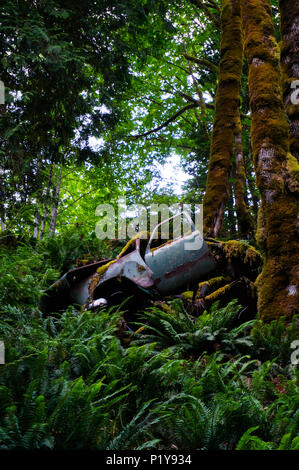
53 219
36 223
278 284
45 214
245 222
44 220
226 108
289 10
231 214
37 214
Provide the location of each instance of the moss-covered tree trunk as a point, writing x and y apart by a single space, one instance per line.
289 10
278 284
226 108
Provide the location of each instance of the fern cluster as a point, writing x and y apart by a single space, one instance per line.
172 326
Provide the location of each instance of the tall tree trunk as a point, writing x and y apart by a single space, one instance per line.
278 284
45 213
53 219
231 218
37 214
245 222
289 10
226 108
36 222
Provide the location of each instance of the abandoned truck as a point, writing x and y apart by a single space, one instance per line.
206 268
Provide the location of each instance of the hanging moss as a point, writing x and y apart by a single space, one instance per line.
241 252
226 106
278 284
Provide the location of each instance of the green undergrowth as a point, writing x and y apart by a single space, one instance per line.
68 382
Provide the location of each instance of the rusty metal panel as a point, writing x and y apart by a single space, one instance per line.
71 288
175 267
132 267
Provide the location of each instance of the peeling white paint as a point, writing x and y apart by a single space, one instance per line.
292 290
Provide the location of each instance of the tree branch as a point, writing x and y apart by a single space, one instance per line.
213 4
188 98
178 66
165 124
202 62
200 96
203 6
74 202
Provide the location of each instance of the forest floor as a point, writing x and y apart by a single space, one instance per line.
75 379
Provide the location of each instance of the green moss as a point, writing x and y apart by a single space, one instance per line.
217 295
275 284
206 287
261 233
293 169
289 14
188 295
242 252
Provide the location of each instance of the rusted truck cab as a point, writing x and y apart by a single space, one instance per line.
156 271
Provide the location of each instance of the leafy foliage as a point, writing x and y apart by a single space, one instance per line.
172 327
